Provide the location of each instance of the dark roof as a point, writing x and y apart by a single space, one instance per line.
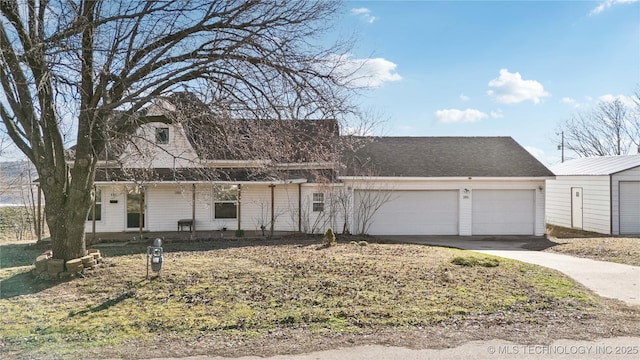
444 157
277 140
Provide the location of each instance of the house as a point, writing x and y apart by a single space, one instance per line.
599 194
310 178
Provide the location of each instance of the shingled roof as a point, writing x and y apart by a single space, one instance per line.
444 157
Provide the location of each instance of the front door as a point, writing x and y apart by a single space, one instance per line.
135 208
576 208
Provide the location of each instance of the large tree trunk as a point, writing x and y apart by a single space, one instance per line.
68 198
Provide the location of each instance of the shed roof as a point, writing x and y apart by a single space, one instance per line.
600 165
447 157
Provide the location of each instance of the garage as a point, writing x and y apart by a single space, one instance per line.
503 212
630 207
411 212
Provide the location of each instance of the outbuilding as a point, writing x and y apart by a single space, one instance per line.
599 194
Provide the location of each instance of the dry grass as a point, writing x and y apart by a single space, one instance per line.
623 250
241 298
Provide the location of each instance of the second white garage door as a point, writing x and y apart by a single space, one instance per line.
413 213
503 212
630 207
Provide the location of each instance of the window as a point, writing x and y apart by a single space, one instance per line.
97 209
318 202
162 135
225 201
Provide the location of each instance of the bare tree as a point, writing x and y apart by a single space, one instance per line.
611 128
83 71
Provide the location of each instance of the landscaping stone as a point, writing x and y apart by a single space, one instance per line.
55 266
75 266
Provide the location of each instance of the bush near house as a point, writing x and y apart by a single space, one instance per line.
16 223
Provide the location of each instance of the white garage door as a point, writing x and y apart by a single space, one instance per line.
503 212
630 207
412 212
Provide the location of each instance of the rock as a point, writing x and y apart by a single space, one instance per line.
75 266
55 266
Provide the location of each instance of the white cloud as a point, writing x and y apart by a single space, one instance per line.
464 97
570 101
367 72
365 14
626 100
607 4
541 156
510 88
497 114
448 116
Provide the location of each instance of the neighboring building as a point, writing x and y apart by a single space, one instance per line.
599 194
382 186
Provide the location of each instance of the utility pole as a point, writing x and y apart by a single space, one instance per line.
561 146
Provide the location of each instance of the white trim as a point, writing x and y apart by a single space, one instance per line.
236 163
459 178
277 182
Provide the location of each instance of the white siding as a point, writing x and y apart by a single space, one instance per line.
177 153
112 213
256 207
596 202
316 222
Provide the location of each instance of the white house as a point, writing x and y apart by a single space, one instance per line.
383 186
600 194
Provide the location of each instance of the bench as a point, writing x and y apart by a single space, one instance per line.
185 222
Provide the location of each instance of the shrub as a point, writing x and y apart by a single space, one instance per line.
473 261
329 238
363 243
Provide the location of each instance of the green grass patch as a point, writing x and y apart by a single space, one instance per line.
254 290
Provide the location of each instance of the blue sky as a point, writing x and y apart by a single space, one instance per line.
485 68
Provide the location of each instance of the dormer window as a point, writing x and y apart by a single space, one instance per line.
162 135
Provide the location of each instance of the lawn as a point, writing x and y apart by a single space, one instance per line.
256 298
623 250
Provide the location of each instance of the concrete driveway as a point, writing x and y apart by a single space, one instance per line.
607 279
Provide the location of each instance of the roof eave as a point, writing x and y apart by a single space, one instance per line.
446 178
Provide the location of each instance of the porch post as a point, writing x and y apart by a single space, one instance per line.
141 200
300 207
93 218
239 200
273 217
193 209
39 216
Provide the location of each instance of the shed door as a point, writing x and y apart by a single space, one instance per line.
630 207
411 212
576 207
503 212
